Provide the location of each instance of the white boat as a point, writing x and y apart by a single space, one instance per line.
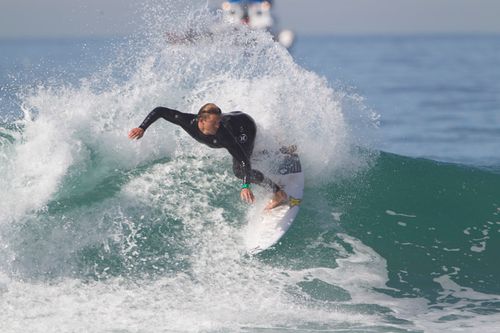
256 14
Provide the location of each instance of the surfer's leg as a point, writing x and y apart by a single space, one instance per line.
256 177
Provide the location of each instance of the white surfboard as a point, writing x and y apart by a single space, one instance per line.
265 228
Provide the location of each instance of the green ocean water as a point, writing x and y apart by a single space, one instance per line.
405 230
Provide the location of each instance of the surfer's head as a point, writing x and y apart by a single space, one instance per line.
209 118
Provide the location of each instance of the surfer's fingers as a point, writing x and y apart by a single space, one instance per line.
135 133
132 133
247 195
250 197
243 196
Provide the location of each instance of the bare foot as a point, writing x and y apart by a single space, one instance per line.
279 198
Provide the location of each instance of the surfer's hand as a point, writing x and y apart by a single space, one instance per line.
247 195
135 133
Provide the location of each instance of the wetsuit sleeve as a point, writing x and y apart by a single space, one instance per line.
170 115
241 157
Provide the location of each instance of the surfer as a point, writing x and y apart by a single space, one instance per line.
235 131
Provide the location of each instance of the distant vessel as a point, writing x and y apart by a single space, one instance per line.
256 14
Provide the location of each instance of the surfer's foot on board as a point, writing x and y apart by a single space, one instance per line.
279 198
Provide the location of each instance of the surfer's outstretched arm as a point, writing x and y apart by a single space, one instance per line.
173 116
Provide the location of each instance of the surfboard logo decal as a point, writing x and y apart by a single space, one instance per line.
294 202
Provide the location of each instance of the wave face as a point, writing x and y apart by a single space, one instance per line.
143 235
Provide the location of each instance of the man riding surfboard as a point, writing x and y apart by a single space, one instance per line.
235 131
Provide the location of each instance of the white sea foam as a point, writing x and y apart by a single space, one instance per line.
218 288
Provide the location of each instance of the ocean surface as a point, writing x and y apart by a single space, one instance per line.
399 229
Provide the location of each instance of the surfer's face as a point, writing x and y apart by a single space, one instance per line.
210 124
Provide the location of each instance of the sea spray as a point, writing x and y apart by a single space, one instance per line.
80 131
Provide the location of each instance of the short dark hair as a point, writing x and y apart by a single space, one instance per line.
209 108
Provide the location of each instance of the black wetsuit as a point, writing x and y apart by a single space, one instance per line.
236 133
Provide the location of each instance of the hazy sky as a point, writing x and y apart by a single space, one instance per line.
32 18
